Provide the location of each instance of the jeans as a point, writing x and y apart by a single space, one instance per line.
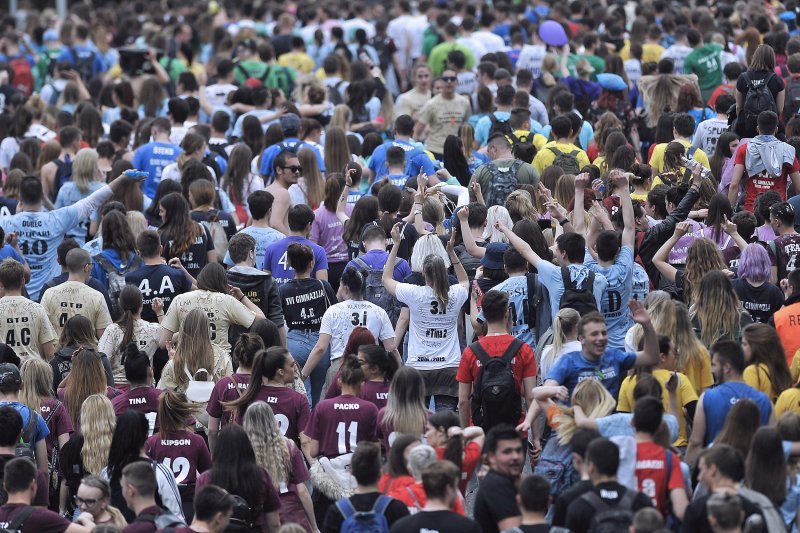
442 402
300 343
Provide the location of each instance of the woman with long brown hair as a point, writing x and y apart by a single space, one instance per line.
766 370
182 237
78 333
194 147
337 151
86 377
239 182
310 188
716 311
760 70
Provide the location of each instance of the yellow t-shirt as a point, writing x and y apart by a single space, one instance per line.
651 52
538 140
700 373
222 311
299 61
795 368
788 402
25 326
757 376
685 392
544 158
657 159
72 298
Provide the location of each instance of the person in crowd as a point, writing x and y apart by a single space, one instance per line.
140 394
406 411
495 504
93 497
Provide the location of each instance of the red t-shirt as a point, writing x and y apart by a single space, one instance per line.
227 389
469 461
523 365
651 474
755 185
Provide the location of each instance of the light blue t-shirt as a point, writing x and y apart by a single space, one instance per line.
641 283
585 137
619 290
68 194
42 431
416 159
572 368
550 277
620 425
264 237
485 124
152 158
516 287
258 113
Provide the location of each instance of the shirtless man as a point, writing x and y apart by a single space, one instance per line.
287 169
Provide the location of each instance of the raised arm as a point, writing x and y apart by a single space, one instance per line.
736 181
342 203
466 235
388 272
582 181
649 357
521 246
731 229
622 183
660 259
461 274
419 198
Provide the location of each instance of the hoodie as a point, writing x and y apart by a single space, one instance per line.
261 289
62 364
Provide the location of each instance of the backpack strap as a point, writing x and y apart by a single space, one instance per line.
626 503
23 515
774 247
590 281
346 508
668 462
690 153
361 263
104 263
597 503
567 279
512 350
29 431
479 352
264 76
243 70
531 278
383 502
574 153
555 150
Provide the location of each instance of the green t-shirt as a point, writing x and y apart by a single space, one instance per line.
47 60
437 59
250 68
597 63
705 63
174 67
429 40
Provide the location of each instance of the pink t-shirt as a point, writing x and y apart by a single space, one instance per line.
340 423
327 231
185 453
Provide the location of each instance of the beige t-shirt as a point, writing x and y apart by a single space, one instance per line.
145 335
24 326
222 310
73 298
411 102
443 117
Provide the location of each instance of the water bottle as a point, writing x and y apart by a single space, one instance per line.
691 164
138 175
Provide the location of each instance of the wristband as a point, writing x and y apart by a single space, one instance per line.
564 222
242 298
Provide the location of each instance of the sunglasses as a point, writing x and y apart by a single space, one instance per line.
449 79
294 168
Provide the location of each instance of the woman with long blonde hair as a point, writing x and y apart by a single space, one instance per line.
194 352
593 399
310 187
717 312
702 257
86 179
37 394
194 147
283 459
496 213
97 427
433 213
671 318
406 411
342 118
519 205
565 339
86 378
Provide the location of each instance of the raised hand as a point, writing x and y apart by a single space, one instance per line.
638 313
682 228
396 232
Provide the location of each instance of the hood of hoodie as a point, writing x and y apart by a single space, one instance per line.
247 277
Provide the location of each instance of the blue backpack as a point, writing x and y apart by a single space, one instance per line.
555 466
372 521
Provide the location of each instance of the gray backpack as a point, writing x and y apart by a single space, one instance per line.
504 182
568 162
375 292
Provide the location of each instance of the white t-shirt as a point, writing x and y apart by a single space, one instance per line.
341 319
531 58
492 42
708 133
432 330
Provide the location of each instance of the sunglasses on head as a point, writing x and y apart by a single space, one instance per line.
294 168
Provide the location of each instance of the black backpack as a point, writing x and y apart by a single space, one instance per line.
504 182
582 300
759 99
63 173
334 95
501 126
496 398
84 65
791 105
242 516
608 519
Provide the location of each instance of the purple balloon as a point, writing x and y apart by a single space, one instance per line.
552 33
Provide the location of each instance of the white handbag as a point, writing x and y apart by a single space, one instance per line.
198 391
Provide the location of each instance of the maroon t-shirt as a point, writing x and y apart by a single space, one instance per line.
290 407
142 399
58 422
143 526
340 423
225 391
40 521
376 392
111 393
185 453
42 497
269 500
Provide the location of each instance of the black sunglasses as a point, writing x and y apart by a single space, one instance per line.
293 168
449 79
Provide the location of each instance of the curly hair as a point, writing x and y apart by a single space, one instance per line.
269 444
97 427
703 256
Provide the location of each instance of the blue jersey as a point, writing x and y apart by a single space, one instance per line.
572 368
718 401
619 291
516 287
641 283
416 159
40 233
550 277
276 263
152 158
292 144
264 237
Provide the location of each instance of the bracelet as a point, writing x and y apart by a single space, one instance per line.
242 298
455 262
564 222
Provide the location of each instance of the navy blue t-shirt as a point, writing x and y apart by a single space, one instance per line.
158 281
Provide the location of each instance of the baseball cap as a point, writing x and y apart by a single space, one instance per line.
290 122
9 374
493 258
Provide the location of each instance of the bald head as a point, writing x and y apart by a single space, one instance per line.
76 260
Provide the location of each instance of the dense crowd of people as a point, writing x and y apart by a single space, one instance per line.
402 266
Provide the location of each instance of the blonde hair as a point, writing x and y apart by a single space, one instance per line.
136 221
97 427
433 214
84 167
269 444
96 482
495 213
564 191
194 349
671 318
595 401
717 308
37 382
703 256
428 244
342 117
519 205
564 323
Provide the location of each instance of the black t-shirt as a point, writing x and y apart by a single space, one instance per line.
538 528
439 521
410 236
695 519
224 219
580 512
364 502
496 501
567 497
784 252
304 301
196 257
158 281
775 86
761 301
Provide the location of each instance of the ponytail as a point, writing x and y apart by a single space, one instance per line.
565 322
247 346
435 272
266 365
378 357
454 449
130 301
